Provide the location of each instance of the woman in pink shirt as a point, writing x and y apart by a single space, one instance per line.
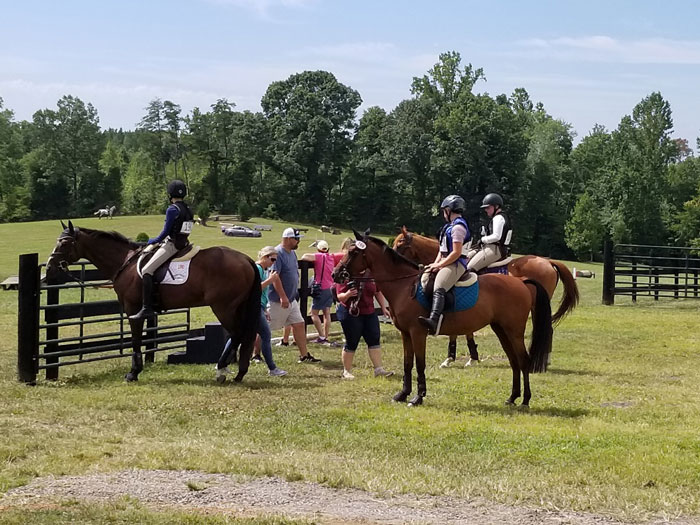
324 263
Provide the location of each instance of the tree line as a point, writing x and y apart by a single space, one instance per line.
306 157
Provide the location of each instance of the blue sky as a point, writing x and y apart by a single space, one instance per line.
588 62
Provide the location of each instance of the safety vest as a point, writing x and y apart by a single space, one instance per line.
506 236
446 239
181 228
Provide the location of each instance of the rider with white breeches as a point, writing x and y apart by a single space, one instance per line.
495 237
450 263
174 237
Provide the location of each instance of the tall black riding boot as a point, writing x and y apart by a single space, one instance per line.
431 323
147 309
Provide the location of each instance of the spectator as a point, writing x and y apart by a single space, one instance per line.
266 258
284 297
324 263
359 319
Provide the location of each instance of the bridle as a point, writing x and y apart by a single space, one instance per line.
343 272
63 240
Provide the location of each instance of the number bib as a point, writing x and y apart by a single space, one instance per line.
186 228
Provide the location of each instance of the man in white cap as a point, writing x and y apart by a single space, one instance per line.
284 297
322 301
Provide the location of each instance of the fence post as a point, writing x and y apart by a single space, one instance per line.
28 322
634 281
151 333
608 273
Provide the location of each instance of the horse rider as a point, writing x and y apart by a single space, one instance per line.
495 237
174 237
450 262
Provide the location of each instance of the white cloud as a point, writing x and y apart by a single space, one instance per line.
600 48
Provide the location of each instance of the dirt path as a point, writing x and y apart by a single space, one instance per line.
190 490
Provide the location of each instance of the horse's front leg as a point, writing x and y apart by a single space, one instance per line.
137 356
419 351
407 368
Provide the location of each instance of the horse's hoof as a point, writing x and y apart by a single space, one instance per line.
221 379
238 379
510 403
471 362
447 362
399 398
525 407
131 377
418 400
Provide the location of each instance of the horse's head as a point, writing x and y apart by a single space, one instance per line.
65 252
354 262
403 243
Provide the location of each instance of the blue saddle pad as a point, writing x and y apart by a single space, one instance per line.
465 297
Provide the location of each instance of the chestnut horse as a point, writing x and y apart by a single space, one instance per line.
224 279
504 303
547 272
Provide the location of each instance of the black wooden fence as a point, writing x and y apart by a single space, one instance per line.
97 329
637 270
52 333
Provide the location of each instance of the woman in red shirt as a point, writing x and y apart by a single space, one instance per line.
358 318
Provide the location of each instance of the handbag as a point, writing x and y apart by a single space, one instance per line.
315 288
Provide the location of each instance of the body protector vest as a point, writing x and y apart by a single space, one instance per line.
506 235
182 227
446 240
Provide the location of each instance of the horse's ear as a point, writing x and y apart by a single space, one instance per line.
71 229
63 225
358 235
367 232
404 230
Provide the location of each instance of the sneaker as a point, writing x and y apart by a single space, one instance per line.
447 362
380 372
281 343
322 341
277 372
347 375
334 344
308 358
257 358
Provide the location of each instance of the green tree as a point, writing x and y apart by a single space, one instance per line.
311 118
14 195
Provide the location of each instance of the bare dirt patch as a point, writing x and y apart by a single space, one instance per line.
189 490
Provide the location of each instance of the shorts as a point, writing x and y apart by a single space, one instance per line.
364 326
323 301
281 317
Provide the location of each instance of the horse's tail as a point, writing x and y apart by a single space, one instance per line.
541 343
570 298
251 317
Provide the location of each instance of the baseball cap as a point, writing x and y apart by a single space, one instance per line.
322 246
291 233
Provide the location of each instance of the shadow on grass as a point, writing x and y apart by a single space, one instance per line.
506 410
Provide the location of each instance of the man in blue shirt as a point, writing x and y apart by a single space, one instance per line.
284 297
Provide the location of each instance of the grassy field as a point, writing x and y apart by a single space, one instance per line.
612 427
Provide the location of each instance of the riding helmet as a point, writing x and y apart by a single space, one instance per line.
492 199
455 203
177 189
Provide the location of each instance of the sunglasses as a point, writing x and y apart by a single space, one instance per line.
273 259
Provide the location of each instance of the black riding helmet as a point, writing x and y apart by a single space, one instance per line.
492 199
177 189
455 203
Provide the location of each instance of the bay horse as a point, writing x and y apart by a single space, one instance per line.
219 277
547 272
504 303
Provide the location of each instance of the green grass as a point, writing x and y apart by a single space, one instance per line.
612 427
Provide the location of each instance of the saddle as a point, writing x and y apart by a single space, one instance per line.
500 266
164 270
461 296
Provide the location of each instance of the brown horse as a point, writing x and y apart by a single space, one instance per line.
504 303
224 279
547 272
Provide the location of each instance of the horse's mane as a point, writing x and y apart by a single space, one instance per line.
395 256
115 236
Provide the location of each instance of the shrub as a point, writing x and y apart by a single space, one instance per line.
142 237
203 210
